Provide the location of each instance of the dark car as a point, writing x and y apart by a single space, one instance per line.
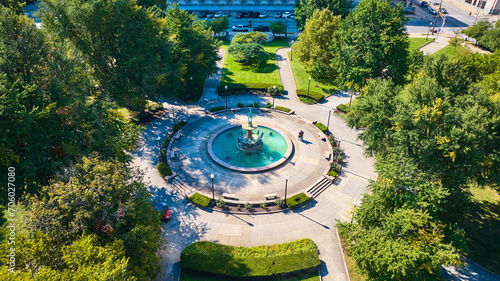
443 10
255 15
248 14
262 28
166 215
239 15
278 15
424 4
203 14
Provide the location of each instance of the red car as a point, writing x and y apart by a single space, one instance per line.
166 215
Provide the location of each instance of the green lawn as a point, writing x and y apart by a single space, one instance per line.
417 43
448 51
195 276
235 72
301 78
482 227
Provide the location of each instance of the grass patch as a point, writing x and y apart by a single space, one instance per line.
354 273
417 43
448 51
200 200
198 276
296 200
164 169
179 125
311 94
482 226
282 108
301 78
218 108
235 72
332 173
265 260
321 126
307 100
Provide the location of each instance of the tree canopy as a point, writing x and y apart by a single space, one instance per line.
486 34
304 9
278 27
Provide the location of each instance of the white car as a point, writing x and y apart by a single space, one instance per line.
263 15
286 15
218 15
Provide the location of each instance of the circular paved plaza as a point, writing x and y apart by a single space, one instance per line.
304 167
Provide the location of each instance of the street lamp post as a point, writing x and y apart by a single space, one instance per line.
338 144
159 152
291 53
225 87
147 103
328 123
428 31
308 85
173 114
286 187
213 190
274 93
286 28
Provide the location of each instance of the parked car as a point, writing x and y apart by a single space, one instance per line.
248 14
239 15
255 15
424 4
202 15
292 16
443 10
166 214
226 14
286 15
263 15
278 15
218 14
241 27
210 15
262 28
409 10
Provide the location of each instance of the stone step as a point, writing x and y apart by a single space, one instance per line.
181 187
319 187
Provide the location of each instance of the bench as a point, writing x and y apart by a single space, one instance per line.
177 136
172 154
321 136
235 109
271 196
327 155
229 196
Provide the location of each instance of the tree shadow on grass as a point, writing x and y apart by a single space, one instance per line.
482 227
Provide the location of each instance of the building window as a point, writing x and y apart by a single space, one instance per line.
468 1
483 4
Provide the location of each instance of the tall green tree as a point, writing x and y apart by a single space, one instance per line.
195 49
373 43
219 25
247 48
486 34
304 9
278 27
123 43
319 36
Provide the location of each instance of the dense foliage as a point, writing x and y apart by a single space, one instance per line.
263 260
486 34
247 48
304 9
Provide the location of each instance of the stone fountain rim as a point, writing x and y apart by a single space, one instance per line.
278 163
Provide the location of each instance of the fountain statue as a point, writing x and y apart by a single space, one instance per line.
250 142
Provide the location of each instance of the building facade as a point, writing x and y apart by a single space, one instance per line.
234 5
491 7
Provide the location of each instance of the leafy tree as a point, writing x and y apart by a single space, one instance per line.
304 9
278 27
84 259
195 49
477 30
373 43
248 53
123 43
107 199
219 25
486 34
15 5
319 35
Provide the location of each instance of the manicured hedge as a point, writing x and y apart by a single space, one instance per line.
218 108
332 174
312 94
322 127
246 86
307 100
164 169
166 142
282 108
343 107
296 200
179 125
265 260
200 200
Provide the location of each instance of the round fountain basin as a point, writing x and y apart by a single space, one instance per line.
223 149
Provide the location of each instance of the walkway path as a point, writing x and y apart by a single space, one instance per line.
210 89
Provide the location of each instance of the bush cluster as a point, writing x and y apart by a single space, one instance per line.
343 107
276 92
218 108
164 169
282 108
296 200
307 100
179 126
246 86
312 95
268 105
265 260
200 200
322 127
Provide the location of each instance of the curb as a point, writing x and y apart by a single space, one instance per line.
343 258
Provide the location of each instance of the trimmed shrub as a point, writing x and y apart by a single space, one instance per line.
307 100
282 108
263 205
256 104
296 200
248 206
238 207
164 169
220 203
246 86
200 200
321 126
240 104
166 142
268 105
280 202
276 92
332 174
312 94
218 108
343 107
265 260
179 125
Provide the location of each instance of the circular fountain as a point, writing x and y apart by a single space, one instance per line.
249 148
